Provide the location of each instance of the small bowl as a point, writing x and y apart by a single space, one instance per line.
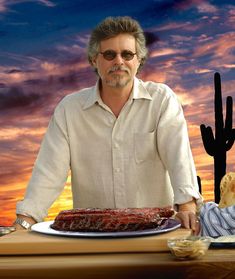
189 248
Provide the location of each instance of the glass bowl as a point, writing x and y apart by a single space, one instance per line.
189 248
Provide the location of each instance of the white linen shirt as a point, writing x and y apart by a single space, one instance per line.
142 158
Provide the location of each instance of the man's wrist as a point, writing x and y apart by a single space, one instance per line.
24 221
188 206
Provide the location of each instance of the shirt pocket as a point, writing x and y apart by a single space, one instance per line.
145 146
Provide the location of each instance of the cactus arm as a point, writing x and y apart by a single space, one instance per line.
230 141
208 139
229 114
229 133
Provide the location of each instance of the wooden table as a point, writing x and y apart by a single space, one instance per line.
32 255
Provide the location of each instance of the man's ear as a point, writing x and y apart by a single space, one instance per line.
94 61
139 66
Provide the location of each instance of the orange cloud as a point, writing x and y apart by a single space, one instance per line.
166 51
221 46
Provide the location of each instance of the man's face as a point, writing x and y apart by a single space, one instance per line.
117 73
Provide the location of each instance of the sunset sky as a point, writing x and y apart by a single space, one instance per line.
43 58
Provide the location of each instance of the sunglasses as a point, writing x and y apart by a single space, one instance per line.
109 55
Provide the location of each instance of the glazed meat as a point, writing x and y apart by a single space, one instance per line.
111 220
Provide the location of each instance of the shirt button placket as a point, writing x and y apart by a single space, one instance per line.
118 172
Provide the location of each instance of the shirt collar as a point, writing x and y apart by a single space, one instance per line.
93 97
138 92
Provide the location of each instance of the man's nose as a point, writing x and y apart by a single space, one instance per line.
118 59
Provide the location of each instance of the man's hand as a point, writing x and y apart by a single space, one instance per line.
188 217
30 220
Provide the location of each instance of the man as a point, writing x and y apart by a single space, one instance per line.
124 140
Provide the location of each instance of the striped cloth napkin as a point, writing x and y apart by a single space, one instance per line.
217 221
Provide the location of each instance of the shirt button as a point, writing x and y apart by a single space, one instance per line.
117 170
116 145
111 121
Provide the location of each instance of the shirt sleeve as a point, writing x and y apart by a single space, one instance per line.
175 152
50 170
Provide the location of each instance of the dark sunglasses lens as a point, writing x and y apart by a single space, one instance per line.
109 55
127 55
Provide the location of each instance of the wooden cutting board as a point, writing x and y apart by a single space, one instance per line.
32 243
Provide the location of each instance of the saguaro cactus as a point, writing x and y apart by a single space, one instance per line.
218 145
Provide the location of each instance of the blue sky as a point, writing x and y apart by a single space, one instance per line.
34 27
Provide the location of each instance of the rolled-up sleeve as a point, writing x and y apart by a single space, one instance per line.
175 152
50 171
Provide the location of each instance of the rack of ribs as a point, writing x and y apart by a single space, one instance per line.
111 220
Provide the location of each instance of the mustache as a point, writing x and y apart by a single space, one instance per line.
118 68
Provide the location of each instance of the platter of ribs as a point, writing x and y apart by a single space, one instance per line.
109 222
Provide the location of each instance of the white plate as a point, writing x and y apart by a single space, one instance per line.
225 238
227 241
44 227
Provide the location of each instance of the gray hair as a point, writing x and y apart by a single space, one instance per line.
113 26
